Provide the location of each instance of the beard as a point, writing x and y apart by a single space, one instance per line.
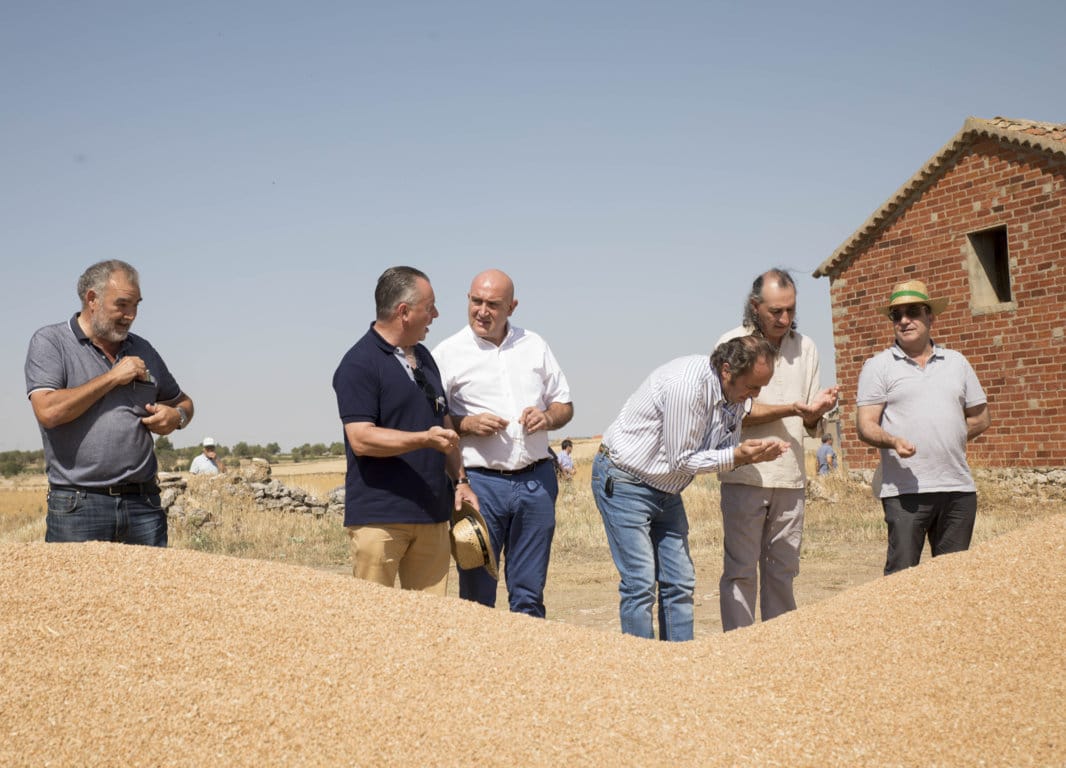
108 330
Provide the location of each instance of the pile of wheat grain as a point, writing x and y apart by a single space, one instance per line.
113 655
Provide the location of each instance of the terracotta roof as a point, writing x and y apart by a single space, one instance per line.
1046 137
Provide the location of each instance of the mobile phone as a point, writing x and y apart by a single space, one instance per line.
608 486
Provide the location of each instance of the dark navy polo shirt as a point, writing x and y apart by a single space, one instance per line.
108 444
373 386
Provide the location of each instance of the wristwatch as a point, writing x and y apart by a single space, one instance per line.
183 418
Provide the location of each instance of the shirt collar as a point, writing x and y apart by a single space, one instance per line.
507 337
899 354
79 334
75 326
752 329
380 341
717 397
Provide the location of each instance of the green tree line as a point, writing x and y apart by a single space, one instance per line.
173 459
16 462
177 459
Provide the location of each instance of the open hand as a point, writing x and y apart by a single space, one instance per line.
756 451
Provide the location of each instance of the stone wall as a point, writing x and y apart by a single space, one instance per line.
1041 483
251 482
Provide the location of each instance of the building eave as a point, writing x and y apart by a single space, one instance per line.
1043 137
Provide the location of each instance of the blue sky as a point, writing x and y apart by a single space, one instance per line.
632 165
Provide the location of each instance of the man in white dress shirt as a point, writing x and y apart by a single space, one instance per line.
506 391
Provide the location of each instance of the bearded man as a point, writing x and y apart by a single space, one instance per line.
100 394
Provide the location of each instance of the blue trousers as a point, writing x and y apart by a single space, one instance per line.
520 513
647 530
128 519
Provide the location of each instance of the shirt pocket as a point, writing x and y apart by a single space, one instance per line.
140 394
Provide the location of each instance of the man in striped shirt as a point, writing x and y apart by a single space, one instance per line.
682 421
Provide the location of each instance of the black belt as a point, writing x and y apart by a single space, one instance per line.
508 472
126 489
604 450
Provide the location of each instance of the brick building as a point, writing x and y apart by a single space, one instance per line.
983 223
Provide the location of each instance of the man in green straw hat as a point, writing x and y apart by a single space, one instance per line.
909 402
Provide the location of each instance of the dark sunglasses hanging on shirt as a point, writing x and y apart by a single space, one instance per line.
437 401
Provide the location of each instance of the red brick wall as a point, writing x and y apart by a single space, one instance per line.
1019 355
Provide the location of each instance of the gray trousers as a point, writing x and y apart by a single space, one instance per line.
763 530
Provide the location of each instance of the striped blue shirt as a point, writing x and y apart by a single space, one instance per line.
675 426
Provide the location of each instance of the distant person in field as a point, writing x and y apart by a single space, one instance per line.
400 442
565 459
100 395
207 463
507 391
684 420
827 457
920 403
762 505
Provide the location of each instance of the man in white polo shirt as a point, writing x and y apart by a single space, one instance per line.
506 391
920 403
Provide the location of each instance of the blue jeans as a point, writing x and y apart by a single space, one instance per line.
520 513
647 531
128 519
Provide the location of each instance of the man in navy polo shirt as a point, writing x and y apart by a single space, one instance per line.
100 393
402 449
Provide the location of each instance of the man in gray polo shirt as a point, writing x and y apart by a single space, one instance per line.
100 393
920 403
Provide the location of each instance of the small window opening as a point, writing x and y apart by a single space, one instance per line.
989 267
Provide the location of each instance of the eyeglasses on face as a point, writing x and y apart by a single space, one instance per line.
913 311
437 401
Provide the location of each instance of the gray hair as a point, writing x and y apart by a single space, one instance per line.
396 286
95 277
776 275
741 354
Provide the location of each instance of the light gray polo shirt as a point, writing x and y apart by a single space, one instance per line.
924 406
108 444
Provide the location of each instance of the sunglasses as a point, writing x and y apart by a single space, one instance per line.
435 400
913 311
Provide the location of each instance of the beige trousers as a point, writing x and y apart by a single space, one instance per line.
420 554
762 530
